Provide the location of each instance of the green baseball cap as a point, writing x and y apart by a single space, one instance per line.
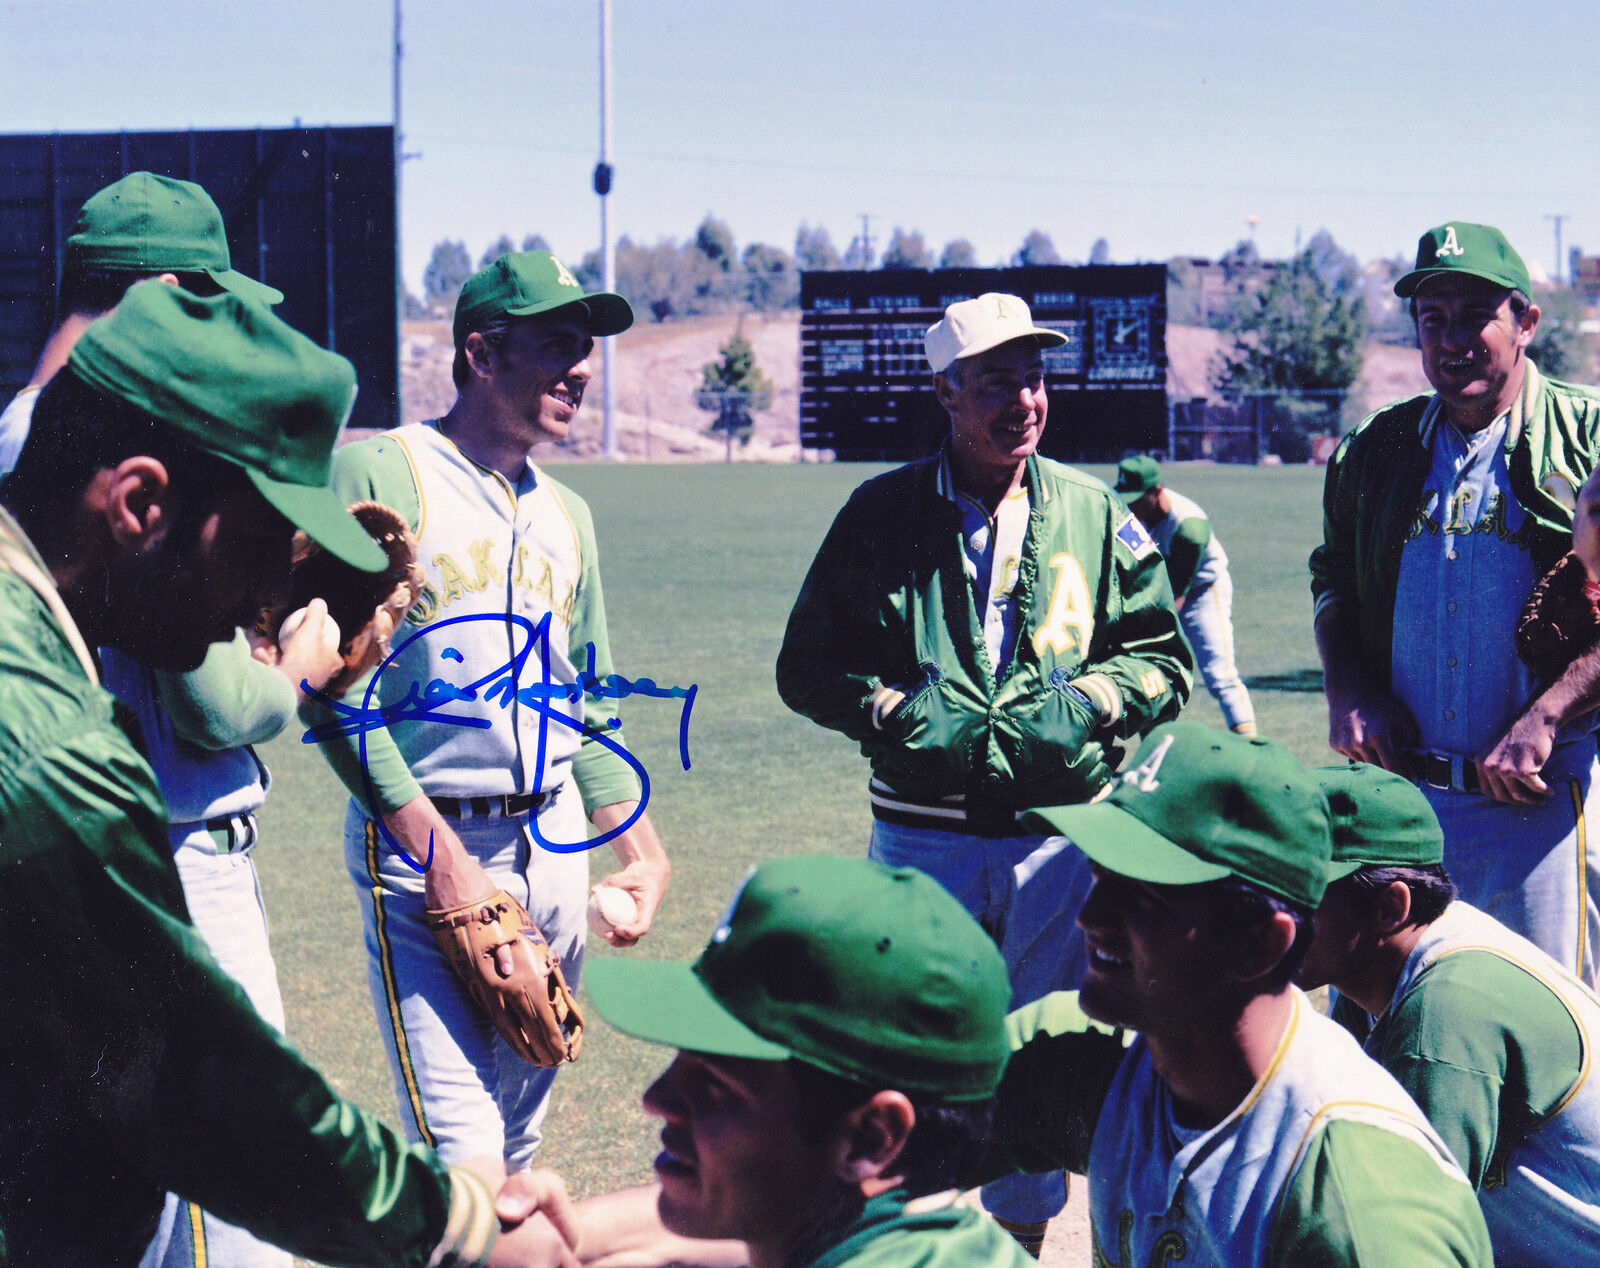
146 223
1200 804
525 283
1475 250
1136 476
239 384
1380 819
873 974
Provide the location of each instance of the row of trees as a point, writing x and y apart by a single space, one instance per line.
708 273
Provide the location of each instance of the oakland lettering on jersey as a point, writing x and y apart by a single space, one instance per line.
456 582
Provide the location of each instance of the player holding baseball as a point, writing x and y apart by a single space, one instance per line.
1239 1126
988 625
1489 1035
494 790
1198 569
150 511
1439 514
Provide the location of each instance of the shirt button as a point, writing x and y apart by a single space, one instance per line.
994 715
1450 661
1451 606
1449 715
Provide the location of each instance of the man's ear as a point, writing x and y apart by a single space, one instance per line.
1260 954
478 353
1528 325
944 390
1393 908
135 498
870 1138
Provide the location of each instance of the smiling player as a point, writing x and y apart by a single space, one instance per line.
497 538
988 625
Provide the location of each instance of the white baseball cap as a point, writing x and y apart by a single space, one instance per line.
971 326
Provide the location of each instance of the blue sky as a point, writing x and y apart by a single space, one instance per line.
1159 126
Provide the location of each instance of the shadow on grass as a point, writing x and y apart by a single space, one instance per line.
1304 680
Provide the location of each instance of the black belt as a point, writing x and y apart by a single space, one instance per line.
232 833
508 804
1443 770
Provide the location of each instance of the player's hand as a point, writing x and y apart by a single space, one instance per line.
1510 772
542 1191
1371 726
305 657
646 880
534 1243
453 876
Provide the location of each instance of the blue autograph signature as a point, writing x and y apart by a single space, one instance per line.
503 686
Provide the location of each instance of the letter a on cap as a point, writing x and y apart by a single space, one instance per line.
1449 246
1143 776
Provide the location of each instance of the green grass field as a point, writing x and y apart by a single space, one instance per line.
701 564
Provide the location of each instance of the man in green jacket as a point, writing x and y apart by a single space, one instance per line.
1439 514
989 625
150 511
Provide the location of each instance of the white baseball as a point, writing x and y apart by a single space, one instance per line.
295 619
610 907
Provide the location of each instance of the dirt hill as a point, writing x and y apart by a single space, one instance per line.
658 370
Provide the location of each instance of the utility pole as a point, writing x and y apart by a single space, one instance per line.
866 241
400 156
608 281
1558 221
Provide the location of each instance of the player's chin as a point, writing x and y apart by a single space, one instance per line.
1100 1000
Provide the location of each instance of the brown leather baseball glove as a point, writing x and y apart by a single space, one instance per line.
367 606
530 1005
1561 618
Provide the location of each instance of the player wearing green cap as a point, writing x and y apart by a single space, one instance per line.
1490 1036
1240 1126
138 227
1201 585
839 1038
1439 515
151 512
497 792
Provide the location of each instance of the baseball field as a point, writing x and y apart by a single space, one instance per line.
701 564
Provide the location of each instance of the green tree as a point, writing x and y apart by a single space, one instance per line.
448 269
1100 252
1036 248
771 279
734 389
906 251
1560 348
535 242
958 253
500 246
714 240
1300 331
814 250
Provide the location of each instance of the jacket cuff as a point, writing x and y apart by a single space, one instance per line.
472 1227
885 700
1103 692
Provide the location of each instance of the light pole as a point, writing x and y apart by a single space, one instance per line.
608 281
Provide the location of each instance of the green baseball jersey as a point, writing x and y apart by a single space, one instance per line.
1492 1038
133 1064
1326 1162
930 1232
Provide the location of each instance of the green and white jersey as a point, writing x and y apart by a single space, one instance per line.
1195 558
1326 1162
1494 1040
936 1231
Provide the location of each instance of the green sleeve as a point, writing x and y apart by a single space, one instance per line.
143 1067
1139 644
1333 564
603 776
375 469
1183 555
1061 1068
232 699
836 645
1367 1196
1487 1051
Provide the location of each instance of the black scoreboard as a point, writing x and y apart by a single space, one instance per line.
866 392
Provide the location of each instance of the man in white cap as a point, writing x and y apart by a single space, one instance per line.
989 626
